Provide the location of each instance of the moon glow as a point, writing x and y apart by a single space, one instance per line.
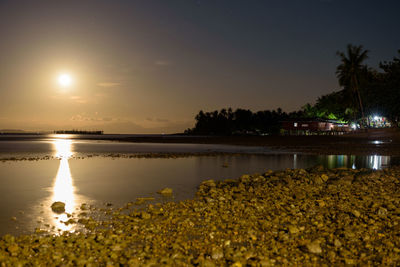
64 80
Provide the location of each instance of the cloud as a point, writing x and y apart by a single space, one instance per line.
134 127
78 99
162 63
171 127
87 118
108 84
109 124
157 120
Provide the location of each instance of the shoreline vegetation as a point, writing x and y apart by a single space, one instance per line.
310 216
367 95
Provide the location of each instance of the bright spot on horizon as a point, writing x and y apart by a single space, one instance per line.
65 80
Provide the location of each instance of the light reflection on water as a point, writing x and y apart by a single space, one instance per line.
63 148
374 162
63 189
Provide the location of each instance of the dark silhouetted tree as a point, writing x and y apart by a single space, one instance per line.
350 71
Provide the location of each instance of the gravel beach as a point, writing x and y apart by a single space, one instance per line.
293 217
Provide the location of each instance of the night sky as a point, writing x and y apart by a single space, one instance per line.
150 66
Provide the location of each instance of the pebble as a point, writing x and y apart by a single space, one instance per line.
165 191
314 247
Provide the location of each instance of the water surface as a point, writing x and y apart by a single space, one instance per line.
28 188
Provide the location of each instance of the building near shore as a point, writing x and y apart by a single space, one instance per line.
377 121
314 126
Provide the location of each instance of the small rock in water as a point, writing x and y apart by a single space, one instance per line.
58 207
209 183
165 191
144 199
70 221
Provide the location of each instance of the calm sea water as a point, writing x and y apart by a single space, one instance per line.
28 188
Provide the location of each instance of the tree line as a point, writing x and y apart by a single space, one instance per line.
240 121
364 92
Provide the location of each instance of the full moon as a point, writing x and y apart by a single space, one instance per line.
64 80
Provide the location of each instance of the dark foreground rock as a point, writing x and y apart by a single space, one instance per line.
293 217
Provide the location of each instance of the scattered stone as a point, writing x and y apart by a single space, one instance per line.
58 207
293 229
350 261
314 247
382 211
141 200
217 254
356 213
321 203
70 221
324 177
337 243
165 191
145 215
13 249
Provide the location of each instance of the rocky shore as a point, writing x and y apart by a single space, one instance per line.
159 155
294 217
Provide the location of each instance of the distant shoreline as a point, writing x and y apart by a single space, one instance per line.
374 141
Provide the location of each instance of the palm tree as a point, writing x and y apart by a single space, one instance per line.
349 72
